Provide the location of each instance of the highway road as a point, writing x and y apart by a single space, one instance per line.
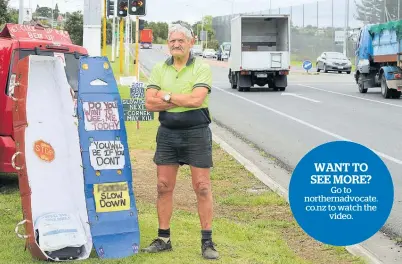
313 110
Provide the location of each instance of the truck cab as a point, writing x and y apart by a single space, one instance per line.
17 42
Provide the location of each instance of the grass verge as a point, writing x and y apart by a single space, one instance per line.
252 224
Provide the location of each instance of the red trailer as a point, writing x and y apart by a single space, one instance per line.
146 38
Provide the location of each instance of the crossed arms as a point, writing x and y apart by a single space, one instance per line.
154 99
154 94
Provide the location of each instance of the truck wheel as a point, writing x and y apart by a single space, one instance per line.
360 84
385 91
240 89
271 84
232 79
282 89
397 94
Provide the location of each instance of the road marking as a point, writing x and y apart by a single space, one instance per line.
385 156
348 95
302 97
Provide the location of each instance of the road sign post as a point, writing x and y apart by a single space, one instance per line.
307 65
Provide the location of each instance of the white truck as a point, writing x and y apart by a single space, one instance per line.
260 51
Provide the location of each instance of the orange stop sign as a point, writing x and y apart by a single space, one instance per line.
44 150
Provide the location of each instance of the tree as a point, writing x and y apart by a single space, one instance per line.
43 12
4 14
159 31
374 11
74 26
56 12
14 15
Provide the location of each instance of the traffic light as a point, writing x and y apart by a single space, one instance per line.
122 7
141 25
137 7
110 8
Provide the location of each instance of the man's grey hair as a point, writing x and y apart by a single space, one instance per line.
181 29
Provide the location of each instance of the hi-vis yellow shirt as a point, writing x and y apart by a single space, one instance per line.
195 74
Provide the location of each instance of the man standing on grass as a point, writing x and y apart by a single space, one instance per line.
179 89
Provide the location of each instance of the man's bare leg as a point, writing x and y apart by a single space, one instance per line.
166 182
202 187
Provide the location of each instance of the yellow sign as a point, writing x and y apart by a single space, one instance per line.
112 197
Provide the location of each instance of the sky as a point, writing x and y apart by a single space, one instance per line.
192 11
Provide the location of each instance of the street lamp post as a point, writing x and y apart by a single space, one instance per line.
233 2
270 6
345 46
52 13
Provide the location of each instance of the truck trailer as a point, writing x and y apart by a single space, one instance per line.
146 38
260 51
378 58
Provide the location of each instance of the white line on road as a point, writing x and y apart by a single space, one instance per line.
385 156
348 95
302 97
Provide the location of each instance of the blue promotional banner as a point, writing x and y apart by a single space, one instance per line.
109 192
341 193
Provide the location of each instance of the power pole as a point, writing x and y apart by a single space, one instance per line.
202 30
92 27
385 11
52 13
121 45
137 28
104 29
317 15
127 46
114 30
346 27
118 38
21 13
332 24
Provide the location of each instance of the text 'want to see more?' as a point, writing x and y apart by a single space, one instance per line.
341 193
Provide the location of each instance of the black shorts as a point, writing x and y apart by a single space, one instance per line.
191 147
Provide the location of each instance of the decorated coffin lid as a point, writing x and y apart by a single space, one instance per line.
35 32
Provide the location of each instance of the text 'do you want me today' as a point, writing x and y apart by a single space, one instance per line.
101 116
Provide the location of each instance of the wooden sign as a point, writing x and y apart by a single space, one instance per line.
134 110
137 90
